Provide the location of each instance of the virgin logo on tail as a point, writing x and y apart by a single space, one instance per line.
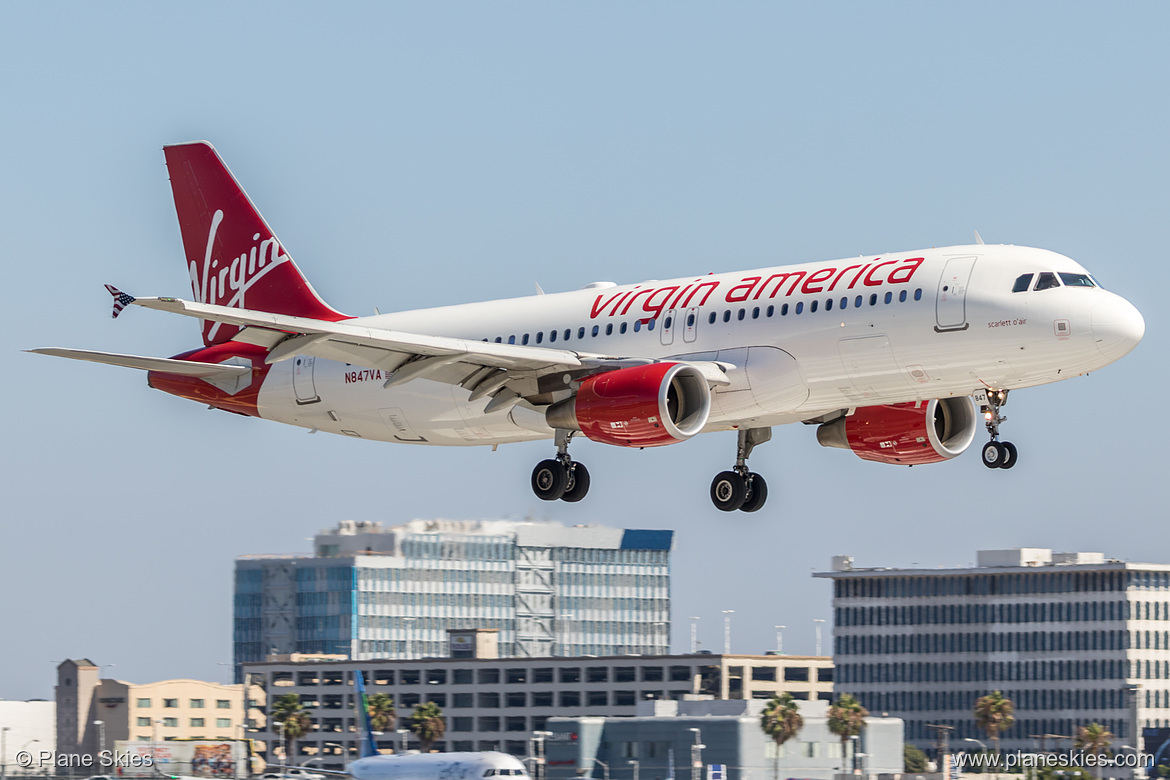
225 283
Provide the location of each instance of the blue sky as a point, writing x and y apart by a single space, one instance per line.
411 155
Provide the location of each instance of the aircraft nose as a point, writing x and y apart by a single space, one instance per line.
1117 327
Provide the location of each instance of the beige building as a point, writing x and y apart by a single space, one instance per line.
93 713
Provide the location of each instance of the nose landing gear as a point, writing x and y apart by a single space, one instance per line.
996 454
740 488
561 477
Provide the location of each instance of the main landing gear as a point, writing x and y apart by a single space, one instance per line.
740 488
560 477
996 454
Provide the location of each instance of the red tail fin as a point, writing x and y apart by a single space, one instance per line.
233 257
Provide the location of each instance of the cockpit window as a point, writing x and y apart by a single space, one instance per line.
1046 280
1023 282
1076 280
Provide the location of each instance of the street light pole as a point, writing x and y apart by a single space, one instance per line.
727 613
779 639
696 755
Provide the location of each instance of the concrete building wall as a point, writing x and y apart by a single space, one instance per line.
496 704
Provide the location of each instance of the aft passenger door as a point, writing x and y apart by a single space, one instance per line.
303 383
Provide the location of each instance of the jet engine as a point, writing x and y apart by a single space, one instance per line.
905 434
641 406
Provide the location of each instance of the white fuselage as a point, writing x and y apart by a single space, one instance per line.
438 766
803 341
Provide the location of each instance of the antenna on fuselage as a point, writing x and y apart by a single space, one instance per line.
978 238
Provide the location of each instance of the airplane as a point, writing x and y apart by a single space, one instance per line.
886 355
413 765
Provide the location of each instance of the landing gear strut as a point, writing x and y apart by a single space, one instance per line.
740 488
561 477
996 454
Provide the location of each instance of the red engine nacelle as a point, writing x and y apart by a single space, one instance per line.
905 434
643 406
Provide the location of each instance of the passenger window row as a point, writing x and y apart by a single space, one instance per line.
741 314
858 302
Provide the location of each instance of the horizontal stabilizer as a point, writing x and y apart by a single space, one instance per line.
167 365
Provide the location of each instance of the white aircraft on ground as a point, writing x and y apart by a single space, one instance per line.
412 765
883 353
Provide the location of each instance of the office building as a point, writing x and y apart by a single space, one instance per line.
374 592
494 703
93 714
1070 638
666 738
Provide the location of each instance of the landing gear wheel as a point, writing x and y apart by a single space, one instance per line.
757 494
549 480
728 491
994 454
1009 450
578 483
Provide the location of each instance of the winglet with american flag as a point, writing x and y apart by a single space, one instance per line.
121 299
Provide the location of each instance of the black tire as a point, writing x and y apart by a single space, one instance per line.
578 484
1009 459
728 491
549 480
993 454
757 494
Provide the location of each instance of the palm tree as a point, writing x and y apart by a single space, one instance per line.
294 720
1096 739
428 724
993 714
846 720
382 714
781 721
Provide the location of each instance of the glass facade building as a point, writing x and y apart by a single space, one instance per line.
373 592
1070 638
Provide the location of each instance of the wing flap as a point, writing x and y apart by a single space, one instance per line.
168 365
